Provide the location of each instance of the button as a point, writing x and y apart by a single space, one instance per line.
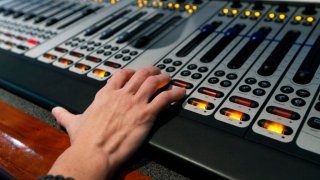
303 93
90 49
107 47
93 59
251 81
181 84
100 51
213 80
126 58
210 92
196 76
170 69
264 84
101 73
282 98
244 101
314 122
298 102
108 53
259 92
219 73
203 69
317 107
118 56
286 89
192 67
245 88
177 63
161 66
232 76
97 44
133 53
283 113
114 48
235 115
185 73
275 127
225 83
91 42
83 47
112 64
200 104
125 51
167 61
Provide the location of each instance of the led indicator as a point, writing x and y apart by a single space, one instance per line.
194 7
310 19
257 14
271 15
210 92
235 115
298 18
170 5
187 7
181 84
275 127
225 11
82 67
93 59
76 54
247 13
177 6
282 17
50 56
234 11
65 61
101 73
112 64
33 42
244 102
59 49
200 104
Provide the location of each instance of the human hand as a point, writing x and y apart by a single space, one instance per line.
114 125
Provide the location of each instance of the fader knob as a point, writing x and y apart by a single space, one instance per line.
283 8
310 10
236 4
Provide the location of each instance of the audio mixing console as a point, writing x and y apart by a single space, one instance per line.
251 71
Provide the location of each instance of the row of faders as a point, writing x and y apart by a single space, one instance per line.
26 24
118 39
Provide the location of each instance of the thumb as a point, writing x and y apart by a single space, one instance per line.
63 117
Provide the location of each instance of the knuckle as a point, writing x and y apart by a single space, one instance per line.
153 80
143 72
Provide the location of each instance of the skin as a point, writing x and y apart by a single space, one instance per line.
114 125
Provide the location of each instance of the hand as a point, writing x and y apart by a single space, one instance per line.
114 125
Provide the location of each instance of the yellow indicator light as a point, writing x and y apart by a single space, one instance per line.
113 1
236 115
200 104
247 13
50 56
310 19
225 11
298 18
177 6
271 15
100 72
190 11
154 3
187 7
163 84
170 5
282 17
234 11
257 14
65 61
82 67
195 8
160 4
274 127
145 3
140 5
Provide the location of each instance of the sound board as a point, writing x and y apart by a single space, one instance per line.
250 68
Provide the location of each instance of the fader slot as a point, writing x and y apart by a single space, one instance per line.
42 10
53 12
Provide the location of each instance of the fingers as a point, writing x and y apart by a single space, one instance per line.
139 77
151 85
63 117
165 98
120 78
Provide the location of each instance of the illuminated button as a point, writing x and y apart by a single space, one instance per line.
93 59
283 113
182 84
275 127
82 67
271 16
310 19
243 101
112 64
210 92
234 11
201 104
170 5
282 17
65 61
257 14
59 49
101 73
247 13
225 11
50 56
298 18
76 54
314 122
32 41
235 115
177 6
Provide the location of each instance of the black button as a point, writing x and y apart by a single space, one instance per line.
107 47
100 51
213 80
192 66
282 98
259 92
264 84
219 73
125 51
298 102
317 107
97 44
177 63
185 73
91 42
126 58
203 69
167 61
170 69
74 45
133 53
225 83
286 89
161 66
196 76
83 47
118 56
314 122
303 93
90 49
245 88
232 76
108 53
251 81
114 48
